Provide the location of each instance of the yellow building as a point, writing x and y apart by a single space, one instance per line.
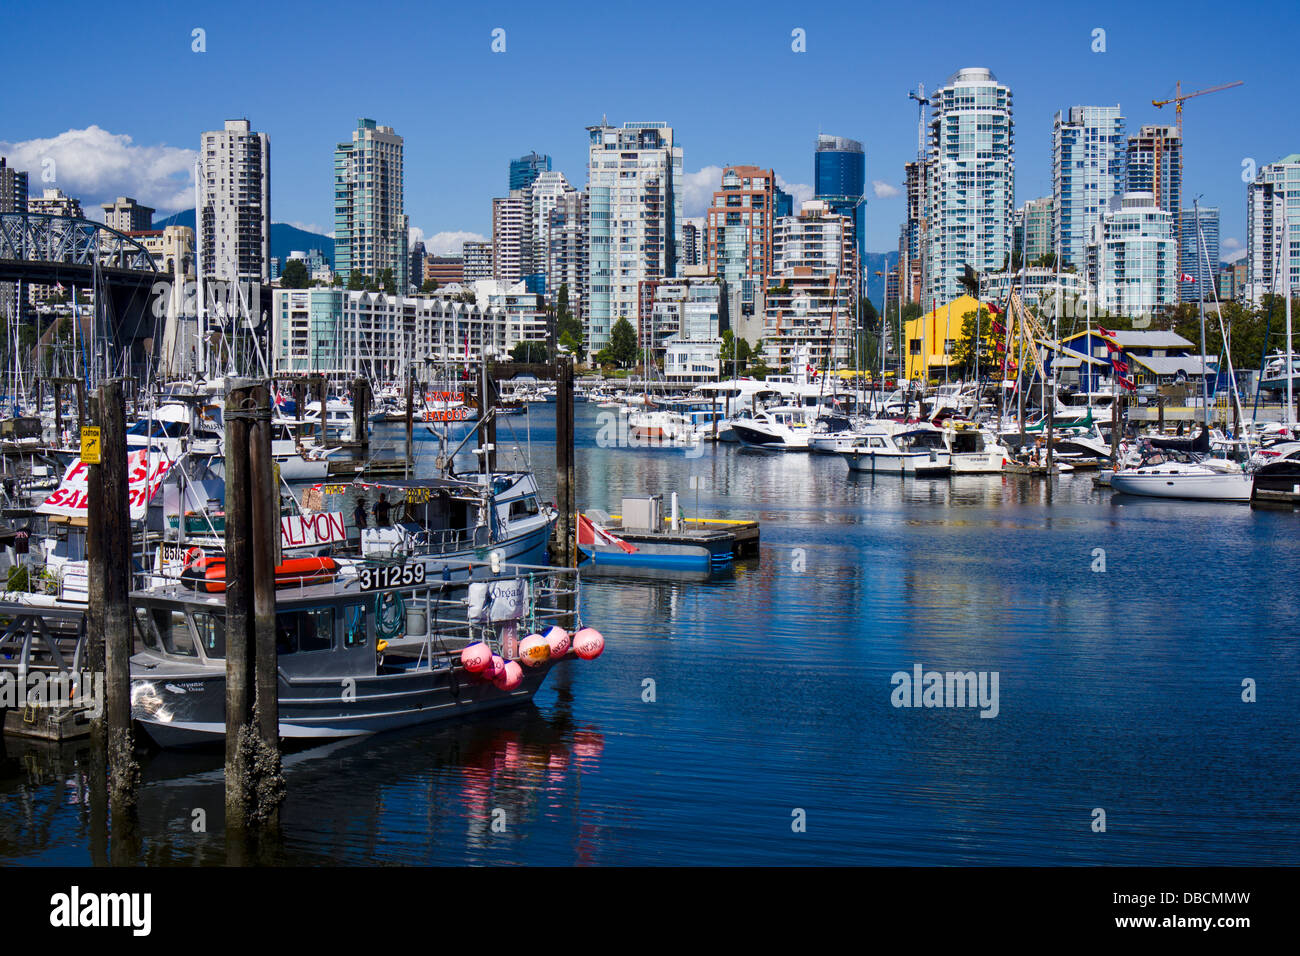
931 339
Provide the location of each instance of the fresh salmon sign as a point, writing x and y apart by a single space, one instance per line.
145 472
307 530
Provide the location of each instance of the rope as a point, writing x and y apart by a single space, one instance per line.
390 615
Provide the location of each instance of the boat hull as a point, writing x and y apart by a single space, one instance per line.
1226 487
315 708
916 464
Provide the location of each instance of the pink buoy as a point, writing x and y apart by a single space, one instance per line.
494 669
558 640
510 676
476 657
588 643
533 650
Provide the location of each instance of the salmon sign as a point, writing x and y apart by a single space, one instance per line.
145 472
308 530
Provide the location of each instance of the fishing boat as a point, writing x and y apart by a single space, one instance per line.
379 647
447 521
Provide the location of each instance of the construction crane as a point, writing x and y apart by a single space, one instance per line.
1178 99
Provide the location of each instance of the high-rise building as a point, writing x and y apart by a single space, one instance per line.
840 178
1135 259
126 215
370 225
415 271
739 227
809 305
235 203
13 188
694 237
566 257
1154 164
525 170
477 261
547 191
55 202
1198 256
634 215
1034 220
913 236
1088 153
1273 230
510 231
971 181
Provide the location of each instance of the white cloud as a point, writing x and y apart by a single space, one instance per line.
884 190
801 192
698 189
97 166
311 227
448 243
1231 249
414 234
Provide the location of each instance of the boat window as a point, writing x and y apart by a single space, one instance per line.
143 628
524 506
876 443
175 633
212 634
354 626
310 629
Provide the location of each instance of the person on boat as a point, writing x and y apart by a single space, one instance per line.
381 511
359 515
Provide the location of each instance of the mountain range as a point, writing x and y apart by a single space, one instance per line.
284 237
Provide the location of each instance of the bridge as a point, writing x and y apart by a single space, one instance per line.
44 249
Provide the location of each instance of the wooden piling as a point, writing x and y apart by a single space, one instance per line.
264 495
565 395
240 654
361 416
108 550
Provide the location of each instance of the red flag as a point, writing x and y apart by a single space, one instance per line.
994 309
1103 332
1120 366
1186 277
1126 383
1111 347
998 327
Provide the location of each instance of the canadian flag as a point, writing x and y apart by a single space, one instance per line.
1186 277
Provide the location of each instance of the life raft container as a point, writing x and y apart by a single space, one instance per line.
209 574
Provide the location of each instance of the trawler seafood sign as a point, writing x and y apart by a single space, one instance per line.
950 689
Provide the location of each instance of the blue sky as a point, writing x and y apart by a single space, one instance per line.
726 79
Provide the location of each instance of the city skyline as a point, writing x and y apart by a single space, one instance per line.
838 86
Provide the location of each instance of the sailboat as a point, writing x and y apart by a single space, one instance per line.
1171 473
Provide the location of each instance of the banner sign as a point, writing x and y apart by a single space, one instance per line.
145 473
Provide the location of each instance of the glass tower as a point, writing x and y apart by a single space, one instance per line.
840 178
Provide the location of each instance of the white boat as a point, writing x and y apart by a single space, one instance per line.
1175 475
920 453
783 428
975 451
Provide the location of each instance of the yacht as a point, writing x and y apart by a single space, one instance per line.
975 450
782 428
920 453
1167 473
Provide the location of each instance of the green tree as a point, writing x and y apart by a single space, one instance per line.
529 352
964 350
622 343
573 343
357 281
295 275
430 286
969 280
387 282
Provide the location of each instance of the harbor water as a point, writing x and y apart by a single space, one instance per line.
1144 653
